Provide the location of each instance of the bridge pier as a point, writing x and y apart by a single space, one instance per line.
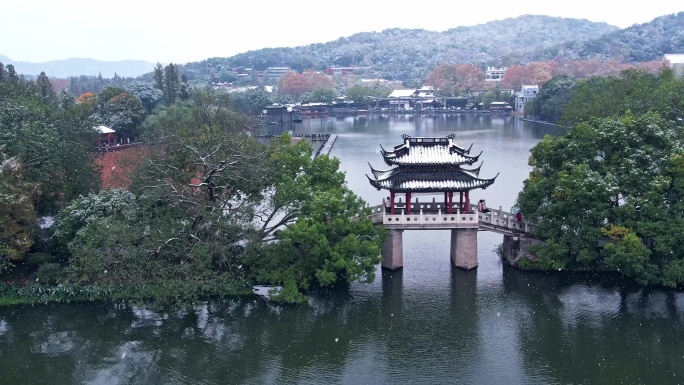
464 248
393 250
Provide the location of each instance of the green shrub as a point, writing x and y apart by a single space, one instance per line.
38 259
5 266
49 273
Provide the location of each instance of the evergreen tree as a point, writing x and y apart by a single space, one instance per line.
12 74
159 77
172 85
74 89
66 100
45 87
184 88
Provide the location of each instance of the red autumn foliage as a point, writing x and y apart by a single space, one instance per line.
454 79
296 84
535 73
118 166
87 97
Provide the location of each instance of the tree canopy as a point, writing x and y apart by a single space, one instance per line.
295 84
209 204
615 181
51 141
456 79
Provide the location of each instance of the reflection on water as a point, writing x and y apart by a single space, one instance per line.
429 323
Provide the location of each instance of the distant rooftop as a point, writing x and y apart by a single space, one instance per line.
402 93
675 58
104 129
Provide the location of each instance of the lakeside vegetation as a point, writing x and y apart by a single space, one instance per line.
608 194
206 209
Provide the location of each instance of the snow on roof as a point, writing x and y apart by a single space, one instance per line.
46 222
401 93
675 58
437 154
104 129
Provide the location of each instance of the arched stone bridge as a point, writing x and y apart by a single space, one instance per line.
434 216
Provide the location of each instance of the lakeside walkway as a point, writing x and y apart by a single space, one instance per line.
327 146
322 143
542 122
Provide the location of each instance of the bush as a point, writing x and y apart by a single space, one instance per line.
5 265
49 273
38 259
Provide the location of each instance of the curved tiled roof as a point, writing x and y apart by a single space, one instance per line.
402 180
429 165
430 155
428 151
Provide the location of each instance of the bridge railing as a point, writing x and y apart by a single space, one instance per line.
376 213
423 217
427 207
504 220
430 214
438 219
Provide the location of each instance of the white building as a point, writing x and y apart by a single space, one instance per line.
527 92
676 62
494 74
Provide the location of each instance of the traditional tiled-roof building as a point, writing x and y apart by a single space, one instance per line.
426 165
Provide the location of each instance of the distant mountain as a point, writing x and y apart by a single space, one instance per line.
638 43
75 67
403 54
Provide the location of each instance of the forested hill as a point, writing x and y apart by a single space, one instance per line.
638 43
405 54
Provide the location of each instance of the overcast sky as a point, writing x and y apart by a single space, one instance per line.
180 32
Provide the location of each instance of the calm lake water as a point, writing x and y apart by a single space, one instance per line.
427 324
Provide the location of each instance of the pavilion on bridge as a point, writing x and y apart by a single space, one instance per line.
430 166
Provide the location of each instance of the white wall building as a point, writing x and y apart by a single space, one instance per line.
676 62
494 74
527 92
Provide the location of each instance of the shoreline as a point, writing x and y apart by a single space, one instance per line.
542 122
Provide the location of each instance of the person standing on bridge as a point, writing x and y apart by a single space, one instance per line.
518 214
482 206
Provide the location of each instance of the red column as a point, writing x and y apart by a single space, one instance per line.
392 202
460 201
451 202
408 203
467 208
